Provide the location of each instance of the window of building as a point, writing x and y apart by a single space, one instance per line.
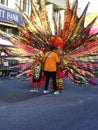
9 30
4 2
24 5
7 2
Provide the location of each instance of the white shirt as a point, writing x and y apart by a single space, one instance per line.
3 54
6 63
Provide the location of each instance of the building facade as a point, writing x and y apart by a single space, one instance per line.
9 12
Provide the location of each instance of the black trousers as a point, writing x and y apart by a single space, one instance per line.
5 73
50 75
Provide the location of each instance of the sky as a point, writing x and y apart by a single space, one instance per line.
92 12
93 6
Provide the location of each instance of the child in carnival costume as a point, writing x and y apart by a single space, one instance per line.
36 73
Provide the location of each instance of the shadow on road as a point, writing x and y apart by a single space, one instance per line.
13 90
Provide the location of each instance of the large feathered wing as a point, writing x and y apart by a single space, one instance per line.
79 47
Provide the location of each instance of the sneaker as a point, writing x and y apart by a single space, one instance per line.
56 93
46 91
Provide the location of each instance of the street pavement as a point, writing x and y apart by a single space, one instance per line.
76 108
13 90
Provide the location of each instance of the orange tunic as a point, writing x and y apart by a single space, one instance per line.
51 59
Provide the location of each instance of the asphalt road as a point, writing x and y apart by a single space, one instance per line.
13 90
76 108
